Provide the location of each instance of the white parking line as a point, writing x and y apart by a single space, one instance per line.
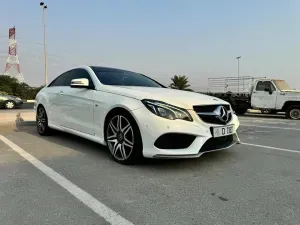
270 147
102 210
270 121
270 127
262 118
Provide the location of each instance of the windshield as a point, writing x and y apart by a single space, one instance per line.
282 85
109 76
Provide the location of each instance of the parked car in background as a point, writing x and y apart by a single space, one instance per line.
265 94
134 115
10 102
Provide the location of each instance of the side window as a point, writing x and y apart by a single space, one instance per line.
260 86
263 85
272 88
80 73
60 80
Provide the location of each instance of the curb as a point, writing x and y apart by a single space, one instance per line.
25 123
16 117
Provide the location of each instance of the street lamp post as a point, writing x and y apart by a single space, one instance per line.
238 58
44 7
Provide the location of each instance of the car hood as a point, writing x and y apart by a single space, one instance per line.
291 91
183 99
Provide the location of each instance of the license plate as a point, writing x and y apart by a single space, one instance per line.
222 131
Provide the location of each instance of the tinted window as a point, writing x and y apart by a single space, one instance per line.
263 85
79 73
110 76
59 81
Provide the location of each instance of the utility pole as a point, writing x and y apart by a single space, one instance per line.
238 58
44 7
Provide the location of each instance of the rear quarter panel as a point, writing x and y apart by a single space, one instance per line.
46 97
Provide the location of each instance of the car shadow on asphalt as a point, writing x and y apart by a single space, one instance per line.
99 151
263 116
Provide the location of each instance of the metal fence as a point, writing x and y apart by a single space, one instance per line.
231 84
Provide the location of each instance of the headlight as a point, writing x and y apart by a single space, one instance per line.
19 99
167 111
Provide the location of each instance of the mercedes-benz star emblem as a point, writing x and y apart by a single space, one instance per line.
222 114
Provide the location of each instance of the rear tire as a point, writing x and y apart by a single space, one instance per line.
293 112
123 138
42 122
9 104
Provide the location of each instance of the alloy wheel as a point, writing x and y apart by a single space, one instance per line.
9 105
295 114
41 120
120 137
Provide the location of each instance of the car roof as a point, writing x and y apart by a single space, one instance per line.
103 68
100 68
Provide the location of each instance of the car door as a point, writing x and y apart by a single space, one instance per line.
2 100
54 90
78 104
264 96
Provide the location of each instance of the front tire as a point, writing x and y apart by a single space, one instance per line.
42 122
123 138
293 112
9 104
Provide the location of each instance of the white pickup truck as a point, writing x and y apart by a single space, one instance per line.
267 95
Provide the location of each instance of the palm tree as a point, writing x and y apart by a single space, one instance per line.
180 82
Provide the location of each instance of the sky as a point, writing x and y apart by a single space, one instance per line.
159 38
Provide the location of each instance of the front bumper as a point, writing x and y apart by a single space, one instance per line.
152 127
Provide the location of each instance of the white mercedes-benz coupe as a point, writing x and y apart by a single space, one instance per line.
134 115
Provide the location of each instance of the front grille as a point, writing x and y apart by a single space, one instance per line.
206 114
208 108
217 143
214 119
174 141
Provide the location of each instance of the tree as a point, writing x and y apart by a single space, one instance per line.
11 86
180 83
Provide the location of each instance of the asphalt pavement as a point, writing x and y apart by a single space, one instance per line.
63 179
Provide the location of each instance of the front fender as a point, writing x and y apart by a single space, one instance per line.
105 102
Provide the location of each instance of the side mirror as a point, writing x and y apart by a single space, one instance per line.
268 90
79 83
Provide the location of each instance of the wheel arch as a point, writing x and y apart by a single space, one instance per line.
9 100
40 105
119 108
288 104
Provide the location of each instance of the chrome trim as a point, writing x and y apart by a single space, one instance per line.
193 155
220 112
